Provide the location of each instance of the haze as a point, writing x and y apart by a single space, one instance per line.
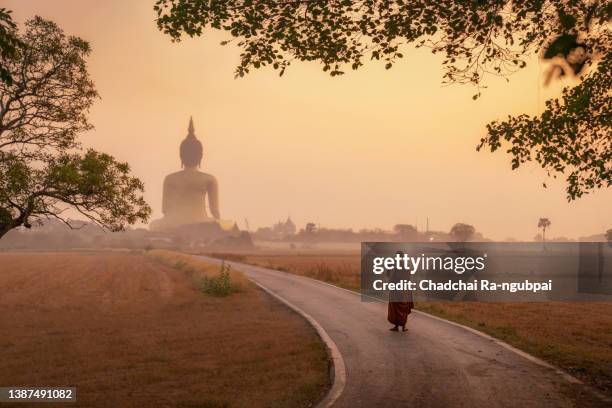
370 149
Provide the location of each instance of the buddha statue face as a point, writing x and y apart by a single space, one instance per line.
191 149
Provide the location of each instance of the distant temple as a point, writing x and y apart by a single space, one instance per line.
285 228
280 230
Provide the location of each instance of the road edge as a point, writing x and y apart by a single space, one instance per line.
339 368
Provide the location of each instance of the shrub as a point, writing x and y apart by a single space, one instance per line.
220 285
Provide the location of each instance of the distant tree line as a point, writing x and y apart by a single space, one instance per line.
54 234
400 232
459 232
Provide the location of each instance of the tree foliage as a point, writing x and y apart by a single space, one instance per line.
544 223
46 105
9 42
475 37
406 231
43 109
571 137
462 232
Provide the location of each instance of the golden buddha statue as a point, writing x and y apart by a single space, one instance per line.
185 192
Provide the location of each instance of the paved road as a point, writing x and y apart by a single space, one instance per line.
434 364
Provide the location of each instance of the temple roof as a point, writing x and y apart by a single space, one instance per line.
289 221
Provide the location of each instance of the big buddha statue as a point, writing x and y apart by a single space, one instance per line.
186 191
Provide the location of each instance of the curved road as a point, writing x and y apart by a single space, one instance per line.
434 364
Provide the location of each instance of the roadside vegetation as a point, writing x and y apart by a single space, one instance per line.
575 336
215 280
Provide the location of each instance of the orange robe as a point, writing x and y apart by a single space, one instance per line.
397 312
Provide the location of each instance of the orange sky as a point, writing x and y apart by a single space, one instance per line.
369 149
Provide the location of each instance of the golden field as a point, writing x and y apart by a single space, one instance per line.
129 329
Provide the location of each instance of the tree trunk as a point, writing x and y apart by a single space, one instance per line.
3 230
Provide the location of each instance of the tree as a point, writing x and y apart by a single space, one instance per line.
43 169
462 232
9 42
543 223
311 228
476 38
609 235
406 231
572 135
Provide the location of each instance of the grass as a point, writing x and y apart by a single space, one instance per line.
574 336
212 280
340 270
129 329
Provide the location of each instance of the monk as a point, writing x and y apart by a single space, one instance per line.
399 308
397 314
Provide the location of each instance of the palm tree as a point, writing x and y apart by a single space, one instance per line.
543 223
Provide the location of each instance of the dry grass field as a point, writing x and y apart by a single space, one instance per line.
129 330
342 270
574 336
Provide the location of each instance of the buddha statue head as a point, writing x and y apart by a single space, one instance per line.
191 148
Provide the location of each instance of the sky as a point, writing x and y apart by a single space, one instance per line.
372 148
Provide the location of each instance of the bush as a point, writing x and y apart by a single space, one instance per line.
220 285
